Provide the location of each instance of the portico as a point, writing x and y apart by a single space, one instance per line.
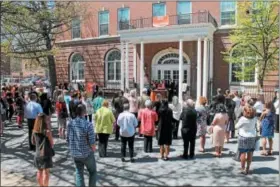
199 32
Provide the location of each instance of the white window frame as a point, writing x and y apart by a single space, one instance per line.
178 2
74 67
77 18
118 15
115 67
157 4
228 26
105 35
242 83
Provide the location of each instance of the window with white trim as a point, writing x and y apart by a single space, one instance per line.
228 12
76 28
159 9
249 74
103 23
113 66
77 67
184 12
123 18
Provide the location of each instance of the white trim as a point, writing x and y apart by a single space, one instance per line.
78 18
108 23
241 83
115 68
167 51
160 2
88 39
118 16
235 14
75 68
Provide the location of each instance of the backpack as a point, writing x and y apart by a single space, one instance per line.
63 113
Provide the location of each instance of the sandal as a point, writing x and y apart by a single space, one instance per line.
264 153
269 153
244 172
201 150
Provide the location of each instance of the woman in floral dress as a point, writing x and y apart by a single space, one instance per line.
202 113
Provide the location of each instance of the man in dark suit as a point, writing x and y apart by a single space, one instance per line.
189 129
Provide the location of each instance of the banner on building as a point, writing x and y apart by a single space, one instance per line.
160 21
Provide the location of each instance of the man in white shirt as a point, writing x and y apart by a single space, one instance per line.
127 123
237 101
259 106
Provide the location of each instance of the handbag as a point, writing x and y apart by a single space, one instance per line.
45 148
210 130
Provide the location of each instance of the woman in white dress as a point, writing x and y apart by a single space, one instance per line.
176 108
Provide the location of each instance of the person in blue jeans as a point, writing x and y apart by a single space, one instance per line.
81 143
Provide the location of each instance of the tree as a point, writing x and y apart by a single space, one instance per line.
30 29
255 40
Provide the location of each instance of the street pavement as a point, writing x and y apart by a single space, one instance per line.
148 170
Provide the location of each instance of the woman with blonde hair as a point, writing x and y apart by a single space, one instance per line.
133 103
202 113
247 137
43 141
87 101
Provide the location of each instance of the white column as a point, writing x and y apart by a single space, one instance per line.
205 67
142 68
180 70
122 66
126 66
198 79
134 63
211 55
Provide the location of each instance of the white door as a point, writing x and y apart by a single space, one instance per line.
166 72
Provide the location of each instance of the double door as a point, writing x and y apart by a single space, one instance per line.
171 74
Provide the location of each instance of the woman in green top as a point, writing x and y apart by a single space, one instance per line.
104 120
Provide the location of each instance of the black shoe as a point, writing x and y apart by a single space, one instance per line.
184 157
191 157
123 160
132 160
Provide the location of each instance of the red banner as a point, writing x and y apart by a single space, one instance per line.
160 21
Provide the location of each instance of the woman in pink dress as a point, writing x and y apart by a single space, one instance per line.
219 125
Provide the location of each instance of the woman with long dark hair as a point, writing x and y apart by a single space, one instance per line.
165 129
43 141
47 107
19 108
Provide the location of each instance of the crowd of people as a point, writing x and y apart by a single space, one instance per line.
86 118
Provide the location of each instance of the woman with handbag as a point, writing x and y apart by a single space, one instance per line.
202 122
247 137
42 139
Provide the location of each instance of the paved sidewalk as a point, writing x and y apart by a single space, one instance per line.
148 170
12 179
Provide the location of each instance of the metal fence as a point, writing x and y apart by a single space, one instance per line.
267 91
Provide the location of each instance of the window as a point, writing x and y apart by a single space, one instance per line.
113 69
184 12
77 68
159 74
103 23
159 9
228 13
249 76
171 58
257 7
76 30
123 18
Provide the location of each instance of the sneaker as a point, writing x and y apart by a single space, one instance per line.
132 160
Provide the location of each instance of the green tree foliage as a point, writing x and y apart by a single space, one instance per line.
255 40
29 29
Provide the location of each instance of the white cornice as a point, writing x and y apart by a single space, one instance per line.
94 39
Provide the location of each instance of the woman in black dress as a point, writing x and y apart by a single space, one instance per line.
165 129
47 107
42 139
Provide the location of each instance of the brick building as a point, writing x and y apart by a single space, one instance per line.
123 42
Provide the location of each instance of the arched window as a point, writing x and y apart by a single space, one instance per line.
171 58
77 67
113 65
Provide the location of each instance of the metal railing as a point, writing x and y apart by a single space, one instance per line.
182 19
